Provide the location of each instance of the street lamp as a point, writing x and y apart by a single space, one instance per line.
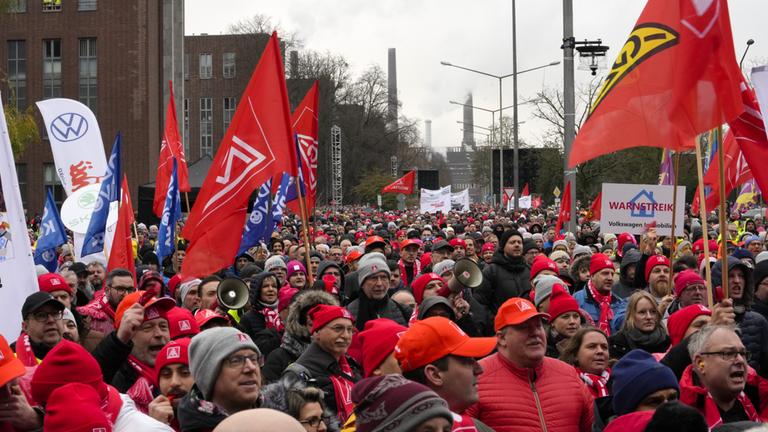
514 74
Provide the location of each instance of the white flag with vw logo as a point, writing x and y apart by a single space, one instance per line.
75 137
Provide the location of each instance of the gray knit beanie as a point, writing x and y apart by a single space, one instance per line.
370 267
443 266
543 287
580 249
274 261
560 243
209 349
185 287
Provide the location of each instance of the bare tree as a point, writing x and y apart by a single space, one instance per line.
263 24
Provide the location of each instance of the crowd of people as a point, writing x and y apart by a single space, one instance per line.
361 324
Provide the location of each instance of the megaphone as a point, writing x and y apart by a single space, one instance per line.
232 293
466 274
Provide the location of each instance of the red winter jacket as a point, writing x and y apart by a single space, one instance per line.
548 398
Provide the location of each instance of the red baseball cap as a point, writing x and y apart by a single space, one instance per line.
203 316
410 242
488 247
516 311
434 338
50 282
10 366
181 323
373 241
458 242
599 262
654 261
156 307
353 256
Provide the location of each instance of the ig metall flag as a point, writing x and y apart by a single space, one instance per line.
259 221
51 235
166 234
278 203
109 192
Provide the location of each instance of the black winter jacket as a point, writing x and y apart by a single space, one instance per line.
503 279
112 355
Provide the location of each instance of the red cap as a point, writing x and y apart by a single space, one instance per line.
425 259
599 262
698 246
487 247
322 314
181 323
50 282
377 341
66 363
654 261
516 311
418 285
154 308
204 316
353 256
408 242
561 302
173 283
458 242
284 297
359 235
75 407
541 263
678 322
623 239
10 366
687 278
632 422
434 338
374 240
174 352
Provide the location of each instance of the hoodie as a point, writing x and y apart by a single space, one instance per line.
623 287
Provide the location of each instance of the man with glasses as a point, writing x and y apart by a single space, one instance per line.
719 383
373 302
336 255
99 314
226 366
41 332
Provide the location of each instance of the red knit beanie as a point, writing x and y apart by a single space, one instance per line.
181 323
174 352
678 322
51 282
377 341
322 314
654 261
75 407
66 363
420 283
599 262
561 302
687 278
541 263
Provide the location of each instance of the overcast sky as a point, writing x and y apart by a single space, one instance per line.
475 34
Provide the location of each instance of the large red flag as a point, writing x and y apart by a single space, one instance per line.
594 209
305 125
258 143
565 211
525 191
121 254
403 185
171 147
675 77
749 131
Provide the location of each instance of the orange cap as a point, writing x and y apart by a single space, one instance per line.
434 338
161 306
10 366
372 240
516 311
353 256
407 242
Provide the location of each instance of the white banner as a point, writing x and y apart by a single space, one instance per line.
17 267
523 203
633 208
435 200
460 200
760 81
75 137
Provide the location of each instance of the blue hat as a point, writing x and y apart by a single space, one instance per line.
636 376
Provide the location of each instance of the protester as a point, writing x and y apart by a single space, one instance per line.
296 275
262 322
276 265
173 380
642 328
188 294
597 299
373 277
507 275
686 322
40 329
207 291
100 313
564 320
376 346
587 351
181 323
259 420
68 326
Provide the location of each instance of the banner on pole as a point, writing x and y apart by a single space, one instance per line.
435 200
632 208
460 200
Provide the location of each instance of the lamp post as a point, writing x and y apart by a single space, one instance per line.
501 124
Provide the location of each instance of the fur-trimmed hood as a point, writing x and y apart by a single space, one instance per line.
295 323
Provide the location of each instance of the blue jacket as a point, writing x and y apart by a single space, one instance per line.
588 303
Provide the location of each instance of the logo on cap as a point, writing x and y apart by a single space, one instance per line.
523 306
608 262
55 281
174 352
184 325
151 313
457 328
242 337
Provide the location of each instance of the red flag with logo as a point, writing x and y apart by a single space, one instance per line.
305 125
525 191
121 253
565 211
594 209
171 147
403 185
749 132
675 77
258 143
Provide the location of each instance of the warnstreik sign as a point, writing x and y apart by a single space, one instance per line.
632 208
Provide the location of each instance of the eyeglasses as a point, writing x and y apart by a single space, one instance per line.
238 361
730 355
123 289
42 316
315 421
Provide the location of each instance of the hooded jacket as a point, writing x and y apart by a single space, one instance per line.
326 264
623 287
760 273
504 278
296 338
254 323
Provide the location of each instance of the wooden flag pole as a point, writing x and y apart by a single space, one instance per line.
675 171
186 198
305 228
704 228
723 220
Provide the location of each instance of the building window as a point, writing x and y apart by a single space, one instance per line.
186 66
230 104
17 73
87 5
206 66
21 175
17 6
51 180
206 127
229 65
51 5
88 73
51 68
186 127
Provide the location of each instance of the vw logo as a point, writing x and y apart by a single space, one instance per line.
69 127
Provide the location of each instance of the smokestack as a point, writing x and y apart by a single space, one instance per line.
428 133
469 125
392 89
294 64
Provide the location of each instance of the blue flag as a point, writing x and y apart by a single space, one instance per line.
278 204
259 221
166 234
292 193
109 192
52 235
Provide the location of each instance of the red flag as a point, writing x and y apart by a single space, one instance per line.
565 211
121 253
525 191
403 185
258 143
594 209
171 147
749 131
675 77
305 125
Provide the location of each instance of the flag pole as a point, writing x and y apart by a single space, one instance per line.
675 171
723 221
186 198
704 229
305 230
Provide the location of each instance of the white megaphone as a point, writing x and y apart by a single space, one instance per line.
466 274
232 293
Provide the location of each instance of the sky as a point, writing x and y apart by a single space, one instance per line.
476 35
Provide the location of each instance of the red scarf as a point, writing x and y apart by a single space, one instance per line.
404 274
141 390
106 307
463 423
712 413
272 319
342 388
595 383
24 351
606 313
